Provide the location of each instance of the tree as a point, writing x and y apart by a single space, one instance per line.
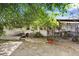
20 15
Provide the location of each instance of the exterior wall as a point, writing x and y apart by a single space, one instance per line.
20 30
12 31
67 26
70 26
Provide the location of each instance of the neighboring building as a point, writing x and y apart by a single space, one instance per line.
69 24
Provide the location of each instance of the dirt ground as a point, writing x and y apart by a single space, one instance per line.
7 47
40 47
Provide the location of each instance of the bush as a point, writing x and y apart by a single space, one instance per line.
38 34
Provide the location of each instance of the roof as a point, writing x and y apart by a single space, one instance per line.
68 20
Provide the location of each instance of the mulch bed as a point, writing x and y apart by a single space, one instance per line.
51 41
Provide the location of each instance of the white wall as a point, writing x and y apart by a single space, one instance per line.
70 27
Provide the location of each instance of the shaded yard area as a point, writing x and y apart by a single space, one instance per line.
40 47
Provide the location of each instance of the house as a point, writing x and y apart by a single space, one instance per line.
67 27
69 24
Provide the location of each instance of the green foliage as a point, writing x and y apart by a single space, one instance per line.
54 23
38 34
20 15
24 15
1 29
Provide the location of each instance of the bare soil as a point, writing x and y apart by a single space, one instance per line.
40 47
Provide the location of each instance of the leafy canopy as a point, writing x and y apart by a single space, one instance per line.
20 15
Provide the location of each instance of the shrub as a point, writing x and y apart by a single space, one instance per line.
38 34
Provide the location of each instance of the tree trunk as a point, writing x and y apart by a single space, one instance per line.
49 33
1 30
